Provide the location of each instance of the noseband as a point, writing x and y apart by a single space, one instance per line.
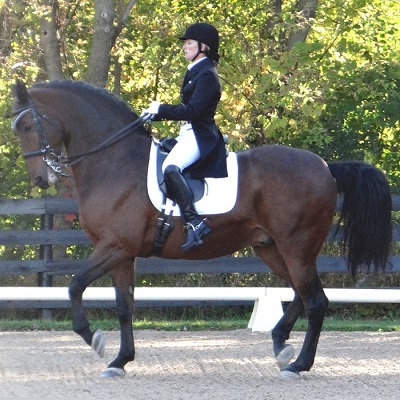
57 161
50 156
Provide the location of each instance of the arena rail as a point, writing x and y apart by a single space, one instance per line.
267 301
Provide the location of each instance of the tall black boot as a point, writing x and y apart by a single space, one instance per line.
178 188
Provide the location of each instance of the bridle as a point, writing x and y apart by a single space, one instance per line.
58 161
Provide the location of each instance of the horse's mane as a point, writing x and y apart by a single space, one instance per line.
80 86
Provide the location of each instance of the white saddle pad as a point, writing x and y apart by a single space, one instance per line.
219 197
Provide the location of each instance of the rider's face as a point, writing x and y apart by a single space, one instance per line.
190 48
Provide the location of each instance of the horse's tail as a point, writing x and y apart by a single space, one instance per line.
365 213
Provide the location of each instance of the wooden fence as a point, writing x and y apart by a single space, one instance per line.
47 237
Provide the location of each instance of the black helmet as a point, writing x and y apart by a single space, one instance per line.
204 33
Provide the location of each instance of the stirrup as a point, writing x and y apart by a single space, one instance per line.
194 233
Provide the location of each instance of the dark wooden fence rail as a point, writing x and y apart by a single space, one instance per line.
47 237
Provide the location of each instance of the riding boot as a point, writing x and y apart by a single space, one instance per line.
179 190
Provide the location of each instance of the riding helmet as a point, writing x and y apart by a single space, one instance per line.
204 33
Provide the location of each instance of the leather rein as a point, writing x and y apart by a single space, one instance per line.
58 161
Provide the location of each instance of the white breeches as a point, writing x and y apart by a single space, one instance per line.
185 152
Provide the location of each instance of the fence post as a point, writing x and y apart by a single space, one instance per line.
46 253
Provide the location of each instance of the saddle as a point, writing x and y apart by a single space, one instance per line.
211 195
197 185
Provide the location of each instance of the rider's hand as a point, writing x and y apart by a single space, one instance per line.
154 107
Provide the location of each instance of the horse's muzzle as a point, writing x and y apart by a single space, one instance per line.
39 181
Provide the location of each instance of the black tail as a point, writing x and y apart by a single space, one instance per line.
365 213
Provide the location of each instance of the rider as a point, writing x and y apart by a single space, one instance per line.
200 144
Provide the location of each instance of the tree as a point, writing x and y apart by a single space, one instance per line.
55 22
49 41
321 75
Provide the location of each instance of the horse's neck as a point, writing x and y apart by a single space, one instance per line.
124 161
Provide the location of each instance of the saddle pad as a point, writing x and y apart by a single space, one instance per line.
219 197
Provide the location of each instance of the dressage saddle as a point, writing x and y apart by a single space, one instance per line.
197 185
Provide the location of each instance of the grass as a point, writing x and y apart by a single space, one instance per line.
347 325
330 324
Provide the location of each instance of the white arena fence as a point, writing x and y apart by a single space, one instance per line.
267 300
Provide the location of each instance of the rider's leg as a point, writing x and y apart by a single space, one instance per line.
195 226
185 153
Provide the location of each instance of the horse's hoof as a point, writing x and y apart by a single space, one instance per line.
285 355
113 373
98 343
289 375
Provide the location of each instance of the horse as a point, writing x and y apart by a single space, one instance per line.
284 207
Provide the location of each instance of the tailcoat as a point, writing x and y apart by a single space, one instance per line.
200 94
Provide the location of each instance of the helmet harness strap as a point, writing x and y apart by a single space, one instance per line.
199 51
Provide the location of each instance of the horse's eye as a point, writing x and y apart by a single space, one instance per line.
27 128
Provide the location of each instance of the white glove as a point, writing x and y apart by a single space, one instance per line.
154 107
144 112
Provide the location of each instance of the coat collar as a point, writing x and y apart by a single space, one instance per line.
198 67
193 64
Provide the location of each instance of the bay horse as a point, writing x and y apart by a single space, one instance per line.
285 206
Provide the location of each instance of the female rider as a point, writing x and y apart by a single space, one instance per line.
200 145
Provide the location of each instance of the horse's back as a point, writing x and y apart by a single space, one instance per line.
282 174
281 157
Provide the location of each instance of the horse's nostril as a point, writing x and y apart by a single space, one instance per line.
39 181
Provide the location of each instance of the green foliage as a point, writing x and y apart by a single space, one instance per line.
336 94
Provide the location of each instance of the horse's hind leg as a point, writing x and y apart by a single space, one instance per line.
284 352
280 334
309 295
310 290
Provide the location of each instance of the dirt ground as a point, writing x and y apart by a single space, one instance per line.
198 365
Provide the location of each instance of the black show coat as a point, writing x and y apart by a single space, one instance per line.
200 94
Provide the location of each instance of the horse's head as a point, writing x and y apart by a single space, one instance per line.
40 134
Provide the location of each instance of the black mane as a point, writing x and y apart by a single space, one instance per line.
80 86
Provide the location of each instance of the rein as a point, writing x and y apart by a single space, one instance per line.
115 138
58 161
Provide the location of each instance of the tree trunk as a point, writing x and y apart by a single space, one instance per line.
49 41
306 10
99 61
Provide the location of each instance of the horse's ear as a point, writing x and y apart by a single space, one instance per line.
20 92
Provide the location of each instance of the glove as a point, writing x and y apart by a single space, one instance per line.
154 107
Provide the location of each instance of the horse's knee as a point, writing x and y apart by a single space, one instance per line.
76 288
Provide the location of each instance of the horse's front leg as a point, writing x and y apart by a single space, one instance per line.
102 261
123 280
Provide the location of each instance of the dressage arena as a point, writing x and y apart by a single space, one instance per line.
198 365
